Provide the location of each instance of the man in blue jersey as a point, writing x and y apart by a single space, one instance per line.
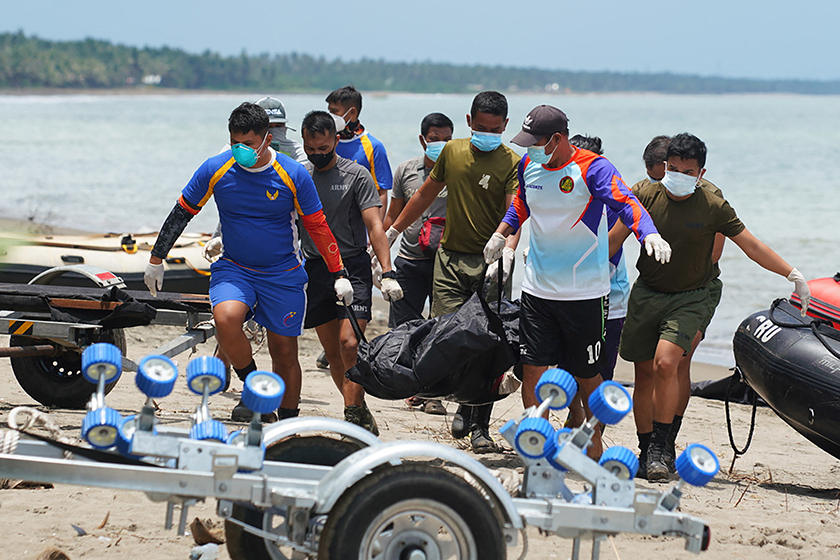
356 144
564 190
260 194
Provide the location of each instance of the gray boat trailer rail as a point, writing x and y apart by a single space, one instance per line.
182 471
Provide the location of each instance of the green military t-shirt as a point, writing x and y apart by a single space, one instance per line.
689 226
708 185
477 183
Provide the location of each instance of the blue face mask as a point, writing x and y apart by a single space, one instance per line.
486 141
246 156
537 154
433 149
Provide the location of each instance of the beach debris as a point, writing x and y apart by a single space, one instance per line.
79 531
104 521
208 551
202 534
52 553
15 484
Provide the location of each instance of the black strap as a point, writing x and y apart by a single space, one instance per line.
92 454
733 382
360 336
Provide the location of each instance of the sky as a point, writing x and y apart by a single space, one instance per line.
772 39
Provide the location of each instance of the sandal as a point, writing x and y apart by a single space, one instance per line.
434 406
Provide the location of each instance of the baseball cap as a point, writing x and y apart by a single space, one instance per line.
274 108
542 121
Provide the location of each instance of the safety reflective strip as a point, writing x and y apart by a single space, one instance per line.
288 181
215 179
20 327
368 147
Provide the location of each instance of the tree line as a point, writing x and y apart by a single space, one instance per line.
31 62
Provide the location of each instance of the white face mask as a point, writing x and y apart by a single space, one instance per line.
340 123
679 184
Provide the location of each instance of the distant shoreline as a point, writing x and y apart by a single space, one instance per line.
150 91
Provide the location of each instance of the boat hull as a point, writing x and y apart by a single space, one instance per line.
796 372
126 255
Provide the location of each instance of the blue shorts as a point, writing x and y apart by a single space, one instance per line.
277 299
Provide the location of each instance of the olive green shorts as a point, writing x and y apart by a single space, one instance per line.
457 276
653 316
715 292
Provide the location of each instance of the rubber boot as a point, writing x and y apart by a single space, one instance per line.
657 470
461 421
644 442
671 444
480 429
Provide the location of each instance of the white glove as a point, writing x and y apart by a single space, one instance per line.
508 255
391 290
376 270
344 291
153 277
392 235
213 249
801 288
658 247
493 248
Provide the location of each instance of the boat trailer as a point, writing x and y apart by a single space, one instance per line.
50 326
322 488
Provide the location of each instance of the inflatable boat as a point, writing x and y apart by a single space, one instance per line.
825 299
793 363
22 257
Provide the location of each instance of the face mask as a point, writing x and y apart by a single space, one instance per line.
247 156
433 149
537 154
486 141
340 123
278 134
679 184
320 161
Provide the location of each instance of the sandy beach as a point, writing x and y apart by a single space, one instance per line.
781 500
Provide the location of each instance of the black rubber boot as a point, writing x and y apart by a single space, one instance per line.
671 444
461 421
657 470
644 443
480 429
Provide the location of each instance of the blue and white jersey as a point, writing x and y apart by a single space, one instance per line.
569 255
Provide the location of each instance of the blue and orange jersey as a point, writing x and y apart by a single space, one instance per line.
569 255
258 209
370 153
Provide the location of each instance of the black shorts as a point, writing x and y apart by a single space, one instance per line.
321 302
569 334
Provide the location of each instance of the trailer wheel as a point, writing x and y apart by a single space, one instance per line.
58 380
412 511
313 450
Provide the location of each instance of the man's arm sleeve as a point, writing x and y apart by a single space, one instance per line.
518 211
317 228
172 228
193 198
605 184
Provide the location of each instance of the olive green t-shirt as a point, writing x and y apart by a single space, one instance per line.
689 226
477 183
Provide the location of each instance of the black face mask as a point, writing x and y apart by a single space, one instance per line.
320 161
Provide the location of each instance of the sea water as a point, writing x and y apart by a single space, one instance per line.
118 162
